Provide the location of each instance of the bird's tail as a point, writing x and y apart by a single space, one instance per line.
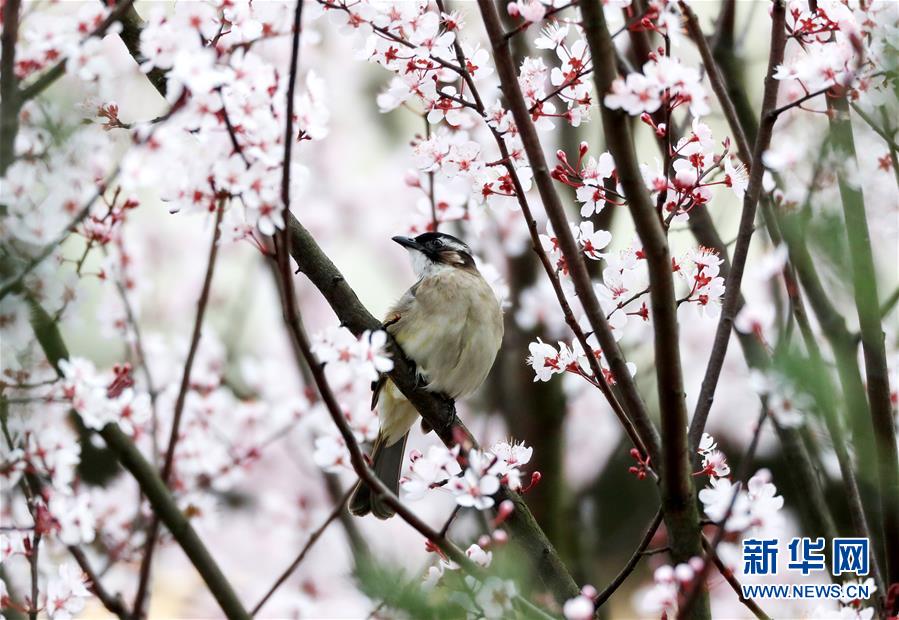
387 462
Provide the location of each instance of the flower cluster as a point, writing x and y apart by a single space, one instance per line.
351 365
233 98
699 268
664 80
787 403
756 508
568 81
101 398
668 587
473 486
548 360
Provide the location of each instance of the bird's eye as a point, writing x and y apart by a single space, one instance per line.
438 243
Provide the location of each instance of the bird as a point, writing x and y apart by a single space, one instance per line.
450 324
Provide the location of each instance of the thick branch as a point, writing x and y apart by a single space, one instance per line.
556 213
678 500
9 96
152 486
867 303
165 508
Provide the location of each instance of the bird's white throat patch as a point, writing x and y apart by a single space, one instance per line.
424 266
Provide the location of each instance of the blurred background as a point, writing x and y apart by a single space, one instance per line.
250 479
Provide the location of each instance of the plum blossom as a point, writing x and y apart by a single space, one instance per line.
592 241
331 453
544 359
735 177
634 94
528 10
427 471
479 556
100 399
699 268
578 608
640 93
74 517
756 507
88 61
372 354
66 593
714 462
661 597
551 36
786 402
348 356
477 484
495 596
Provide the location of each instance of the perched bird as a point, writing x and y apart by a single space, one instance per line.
451 325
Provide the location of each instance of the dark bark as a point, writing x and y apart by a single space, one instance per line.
678 501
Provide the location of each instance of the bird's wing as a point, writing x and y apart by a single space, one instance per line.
392 323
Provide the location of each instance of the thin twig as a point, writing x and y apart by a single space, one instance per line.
719 86
15 281
33 559
113 603
744 235
773 114
745 466
874 126
890 303
632 562
729 577
339 507
58 70
168 463
434 222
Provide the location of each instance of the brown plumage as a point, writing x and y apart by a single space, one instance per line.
450 324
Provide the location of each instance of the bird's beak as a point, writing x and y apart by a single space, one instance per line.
406 242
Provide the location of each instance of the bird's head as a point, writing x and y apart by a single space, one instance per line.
433 251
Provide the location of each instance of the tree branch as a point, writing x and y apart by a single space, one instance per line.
339 507
640 433
867 303
113 603
121 12
14 282
9 96
437 412
556 213
678 502
632 562
168 463
164 506
733 100
747 220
